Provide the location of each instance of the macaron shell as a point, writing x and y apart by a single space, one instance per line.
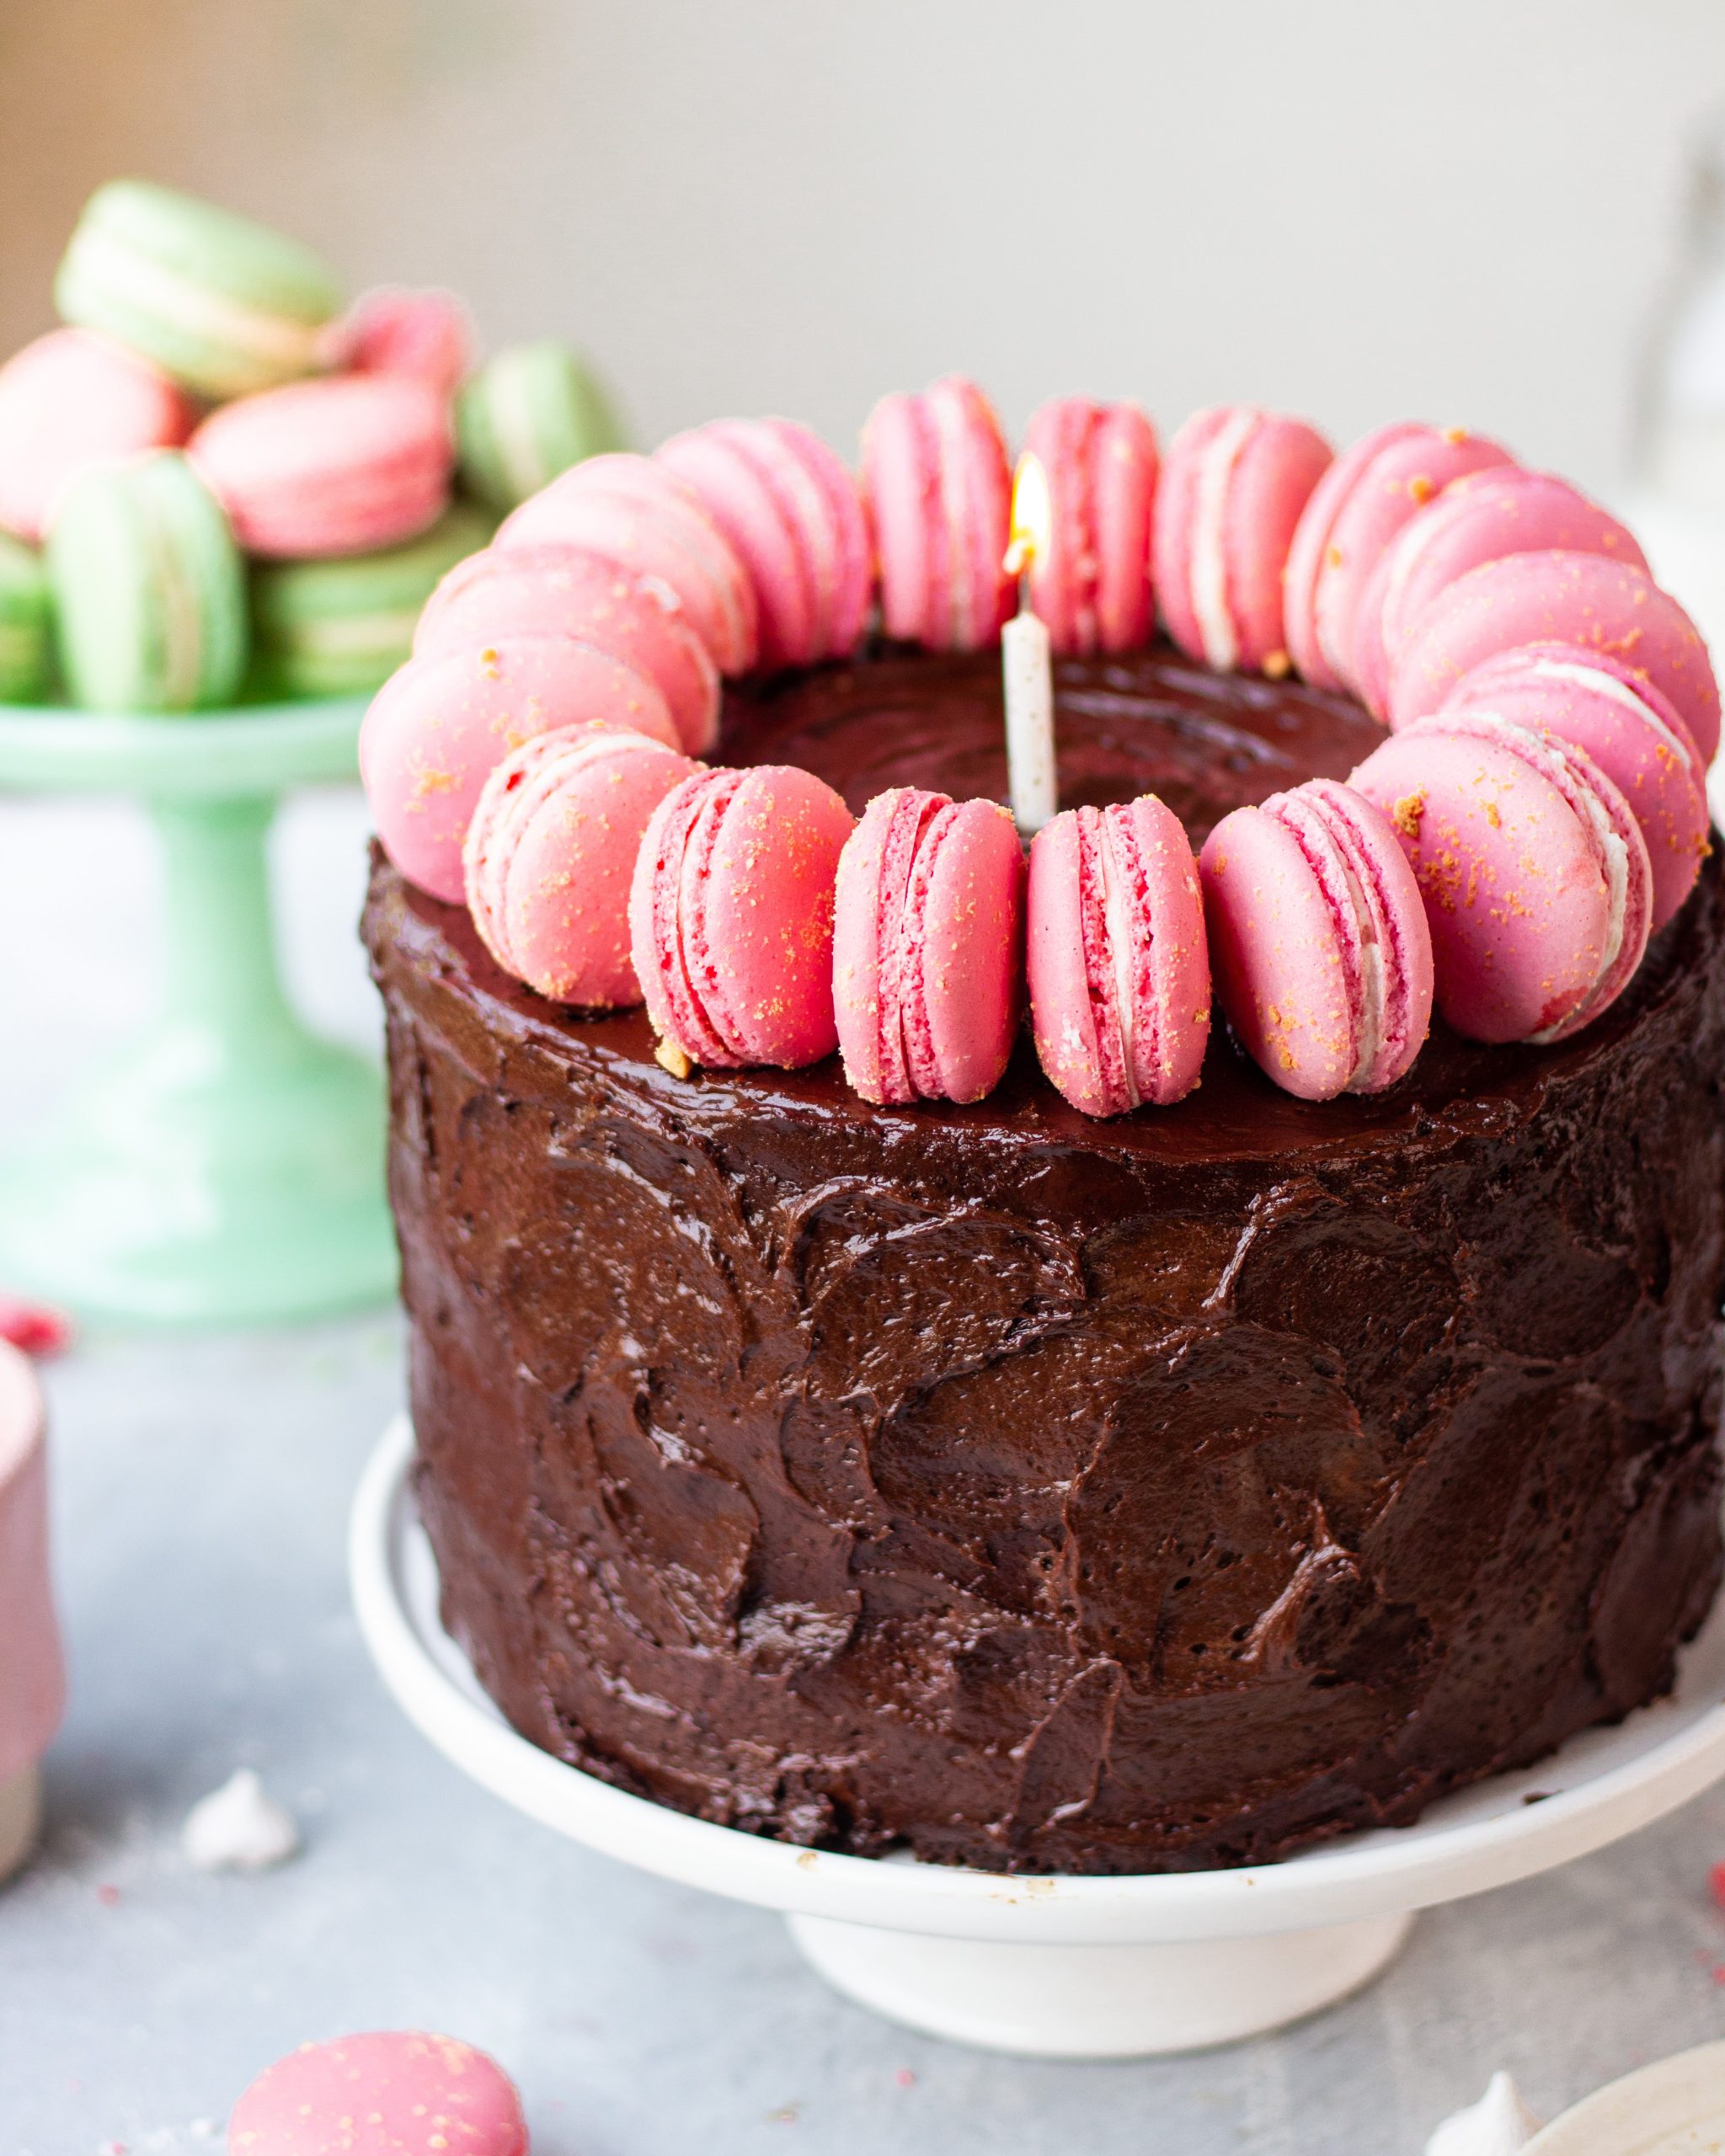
556 590
741 478
441 724
843 529
865 923
900 487
634 511
1311 543
387 2093
32 1671
964 913
977 491
1479 518
550 855
71 399
1092 587
938 487
1391 487
390 330
1559 597
533 412
1175 522
1273 478
341 466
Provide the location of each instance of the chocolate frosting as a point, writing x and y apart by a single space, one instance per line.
1040 1493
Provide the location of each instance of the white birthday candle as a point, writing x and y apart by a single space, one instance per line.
1026 661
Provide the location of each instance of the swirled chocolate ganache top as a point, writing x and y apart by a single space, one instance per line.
1037 1492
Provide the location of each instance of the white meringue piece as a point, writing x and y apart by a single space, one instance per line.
1497 2125
239 1827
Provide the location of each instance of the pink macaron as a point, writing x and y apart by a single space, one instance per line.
938 487
635 511
1482 517
427 334
730 916
550 853
1115 953
1322 957
549 590
1091 586
441 724
1535 874
73 398
928 946
343 465
388 2093
792 511
32 1675
1629 730
1606 606
1233 489
1355 511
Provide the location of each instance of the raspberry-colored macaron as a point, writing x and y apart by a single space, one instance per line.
550 853
388 2093
550 590
1092 587
1356 508
635 511
1115 952
340 465
1233 488
928 946
792 511
1605 606
730 917
1629 730
389 330
1318 941
441 724
1535 874
938 487
1479 518
70 399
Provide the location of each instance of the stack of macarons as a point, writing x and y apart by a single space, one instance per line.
217 483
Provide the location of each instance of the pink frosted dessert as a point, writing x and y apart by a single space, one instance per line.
730 916
1115 953
387 2093
791 512
32 1674
1091 584
1318 941
69 399
928 947
1235 484
938 487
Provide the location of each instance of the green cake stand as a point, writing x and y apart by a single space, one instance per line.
227 1168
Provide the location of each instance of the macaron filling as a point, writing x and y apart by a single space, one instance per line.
1599 682
906 1053
679 895
1209 579
916 1027
1118 962
1319 827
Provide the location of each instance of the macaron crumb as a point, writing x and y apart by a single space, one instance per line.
669 1056
1407 813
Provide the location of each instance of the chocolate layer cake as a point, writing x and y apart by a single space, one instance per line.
1171 1491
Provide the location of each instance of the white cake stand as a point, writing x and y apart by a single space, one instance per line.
1055 1967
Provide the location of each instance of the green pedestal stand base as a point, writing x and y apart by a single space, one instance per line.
227 1168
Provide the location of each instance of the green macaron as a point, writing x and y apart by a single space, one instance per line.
25 618
223 304
531 412
149 590
336 627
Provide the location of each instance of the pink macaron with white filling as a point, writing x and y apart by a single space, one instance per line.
792 510
1357 508
1628 729
441 724
730 916
1560 596
386 2093
635 511
928 946
69 399
1481 517
554 590
1115 953
391 330
1535 878
1235 483
1318 941
938 487
550 854
1091 586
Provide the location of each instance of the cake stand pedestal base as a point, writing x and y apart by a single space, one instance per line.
1098 2002
20 1819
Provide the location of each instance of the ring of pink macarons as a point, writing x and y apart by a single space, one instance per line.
1536 811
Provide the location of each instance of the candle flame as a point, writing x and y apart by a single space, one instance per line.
1033 517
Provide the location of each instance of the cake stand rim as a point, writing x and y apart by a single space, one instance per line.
235 749
1363 1875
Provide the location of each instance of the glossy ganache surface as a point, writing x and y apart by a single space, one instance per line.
1044 1494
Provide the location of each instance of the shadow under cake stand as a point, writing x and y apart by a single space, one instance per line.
1059 1967
227 1167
